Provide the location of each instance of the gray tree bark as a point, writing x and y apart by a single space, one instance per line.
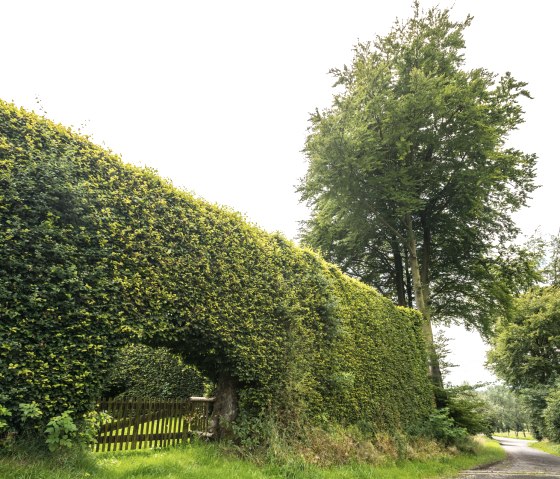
225 407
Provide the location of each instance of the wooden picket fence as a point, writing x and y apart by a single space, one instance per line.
147 423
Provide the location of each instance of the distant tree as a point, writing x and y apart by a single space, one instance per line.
409 180
506 409
442 351
552 268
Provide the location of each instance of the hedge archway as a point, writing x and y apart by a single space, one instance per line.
95 253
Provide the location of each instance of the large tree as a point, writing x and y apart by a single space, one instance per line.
409 180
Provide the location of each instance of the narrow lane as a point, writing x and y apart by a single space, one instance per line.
522 462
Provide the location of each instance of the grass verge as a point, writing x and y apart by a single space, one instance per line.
206 461
526 435
547 446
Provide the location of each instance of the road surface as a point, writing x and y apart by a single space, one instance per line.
522 462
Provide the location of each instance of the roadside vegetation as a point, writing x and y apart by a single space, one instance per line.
547 446
525 435
210 461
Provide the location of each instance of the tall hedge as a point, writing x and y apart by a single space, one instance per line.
95 253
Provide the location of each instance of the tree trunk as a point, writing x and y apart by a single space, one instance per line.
409 295
225 407
399 271
426 259
420 291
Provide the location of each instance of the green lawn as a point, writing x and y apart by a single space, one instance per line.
522 435
547 446
203 461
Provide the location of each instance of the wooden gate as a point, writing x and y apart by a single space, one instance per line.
146 423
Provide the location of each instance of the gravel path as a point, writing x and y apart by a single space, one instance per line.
522 462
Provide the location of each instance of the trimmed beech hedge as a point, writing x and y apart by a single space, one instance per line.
95 253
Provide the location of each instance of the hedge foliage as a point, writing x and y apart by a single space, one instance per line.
140 371
95 253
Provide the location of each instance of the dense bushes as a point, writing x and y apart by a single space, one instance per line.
93 252
143 372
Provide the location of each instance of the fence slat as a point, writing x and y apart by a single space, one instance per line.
114 408
159 424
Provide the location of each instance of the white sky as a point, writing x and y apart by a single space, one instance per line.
216 95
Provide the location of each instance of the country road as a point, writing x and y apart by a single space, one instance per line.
522 462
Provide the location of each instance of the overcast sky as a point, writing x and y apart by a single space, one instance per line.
216 95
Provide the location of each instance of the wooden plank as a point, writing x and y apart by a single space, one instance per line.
155 422
118 439
117 416
178 419
159 424
130 429
150 423
181 420
137 412
180 407
168 422
184 421
165 408
172 440
114 408
120 432
141 423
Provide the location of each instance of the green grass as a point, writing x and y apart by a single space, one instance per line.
522 435
547 446
203 461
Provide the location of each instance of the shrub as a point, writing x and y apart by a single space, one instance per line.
442 427
469 410
61 431
144 372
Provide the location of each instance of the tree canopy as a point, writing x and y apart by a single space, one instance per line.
525 354
525 349
410 181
